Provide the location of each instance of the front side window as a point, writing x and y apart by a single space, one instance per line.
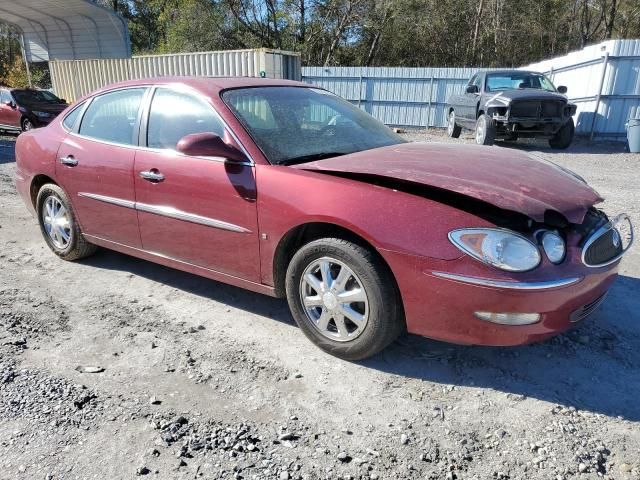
112 116
175 114
4 96
296 125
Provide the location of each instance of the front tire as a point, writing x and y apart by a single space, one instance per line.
26 125
563 137
485 130
59 226
344 298
453 129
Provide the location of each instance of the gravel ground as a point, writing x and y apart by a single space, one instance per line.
116 368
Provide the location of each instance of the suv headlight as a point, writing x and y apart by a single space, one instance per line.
42 114
499 248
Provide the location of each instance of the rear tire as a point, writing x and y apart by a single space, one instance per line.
563 137
59 226
326 272
453 129
485 130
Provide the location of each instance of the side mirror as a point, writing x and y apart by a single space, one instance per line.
472 89
10 103
208 144
562 89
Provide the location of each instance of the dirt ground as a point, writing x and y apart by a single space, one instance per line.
197 379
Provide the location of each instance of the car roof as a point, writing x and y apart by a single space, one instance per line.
208 85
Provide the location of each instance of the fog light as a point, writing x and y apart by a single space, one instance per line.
509 318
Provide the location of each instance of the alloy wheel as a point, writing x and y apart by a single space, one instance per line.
56 221
334 300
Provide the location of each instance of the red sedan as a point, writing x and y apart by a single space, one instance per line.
288 190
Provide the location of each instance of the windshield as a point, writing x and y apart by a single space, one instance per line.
515 80
35 96
296 125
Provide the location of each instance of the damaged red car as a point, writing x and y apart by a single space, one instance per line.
288 190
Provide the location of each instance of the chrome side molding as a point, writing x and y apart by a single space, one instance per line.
487 282
166 211
103 198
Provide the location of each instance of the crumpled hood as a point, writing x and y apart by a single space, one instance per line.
503 177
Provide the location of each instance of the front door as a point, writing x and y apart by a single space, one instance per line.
9 114
95 166
201 211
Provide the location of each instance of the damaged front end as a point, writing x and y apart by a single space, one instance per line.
528 117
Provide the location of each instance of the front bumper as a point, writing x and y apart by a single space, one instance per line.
440 298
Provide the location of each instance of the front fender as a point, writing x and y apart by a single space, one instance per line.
389 220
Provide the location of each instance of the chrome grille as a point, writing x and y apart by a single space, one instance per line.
586 310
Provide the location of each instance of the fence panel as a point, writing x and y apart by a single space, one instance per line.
413 97
74 78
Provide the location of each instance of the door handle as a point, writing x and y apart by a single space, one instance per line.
69 160
152 176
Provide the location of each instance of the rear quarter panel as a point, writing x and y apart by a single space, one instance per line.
36 152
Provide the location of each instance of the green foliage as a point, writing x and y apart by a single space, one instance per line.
381 32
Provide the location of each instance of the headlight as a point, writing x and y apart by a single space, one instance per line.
42 114
500 248
553 246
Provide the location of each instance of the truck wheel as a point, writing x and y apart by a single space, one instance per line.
485 130
563 137
453 129
343 298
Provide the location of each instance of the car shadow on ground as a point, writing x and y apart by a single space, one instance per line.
7 150
592 367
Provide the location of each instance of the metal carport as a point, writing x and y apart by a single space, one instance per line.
67 29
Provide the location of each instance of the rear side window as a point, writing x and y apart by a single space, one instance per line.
112 116
70 120
174 115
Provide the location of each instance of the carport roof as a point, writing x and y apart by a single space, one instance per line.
67 29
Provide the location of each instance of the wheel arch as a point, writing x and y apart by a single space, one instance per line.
36 184
304 233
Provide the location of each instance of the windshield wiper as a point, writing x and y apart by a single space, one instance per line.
310 158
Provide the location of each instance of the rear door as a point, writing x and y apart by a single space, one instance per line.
95 165
198 210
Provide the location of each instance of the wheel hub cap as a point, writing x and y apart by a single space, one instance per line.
330 301
334 299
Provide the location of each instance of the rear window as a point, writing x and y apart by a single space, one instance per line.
70 120
112 116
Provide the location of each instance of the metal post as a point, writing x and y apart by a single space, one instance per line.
24 57
605 62
430 100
